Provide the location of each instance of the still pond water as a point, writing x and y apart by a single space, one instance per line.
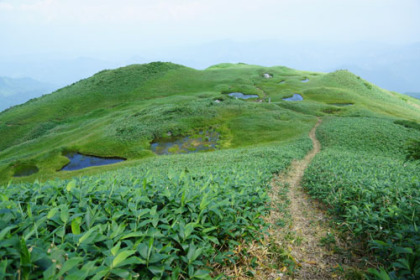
79 161
242 96
295 97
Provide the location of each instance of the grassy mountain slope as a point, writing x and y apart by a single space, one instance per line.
119 112
184 215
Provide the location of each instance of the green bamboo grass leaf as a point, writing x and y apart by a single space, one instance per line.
143 249
188 229
3 267
121 273
206 230
25 260
70 264
99 275
71 185
52 212
64 213
144 184
75 225
121 257
381 274
115 249
35 228
204 202
4 197
150 247
86 235
202 274
133 234
5 231
157 270
193 253
29 210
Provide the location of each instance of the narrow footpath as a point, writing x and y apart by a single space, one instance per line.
300 231
301 242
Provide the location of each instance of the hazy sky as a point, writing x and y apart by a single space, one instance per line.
100 27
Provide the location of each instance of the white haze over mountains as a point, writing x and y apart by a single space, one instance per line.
62 41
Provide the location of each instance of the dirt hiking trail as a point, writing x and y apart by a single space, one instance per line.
314 252
300 243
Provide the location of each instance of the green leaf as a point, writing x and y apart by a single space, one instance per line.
5 231
4 197
188 229
122 273
52 212
64 214
25 260
208 229
29 210
380 275
402 250
202 274
86 235
3 266
143 249
69 264
157 270
49 272
191 253
121 257
156 257
115 249
204 202
75 225
133 234
71 185
99 275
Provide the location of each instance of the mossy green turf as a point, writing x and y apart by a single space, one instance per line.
119 112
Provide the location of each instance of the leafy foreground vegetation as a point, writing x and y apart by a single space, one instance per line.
175 217
363 176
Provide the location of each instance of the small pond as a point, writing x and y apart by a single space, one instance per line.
79 161
204 141
282 82
341 104
242 96
295 97
23 171
305 80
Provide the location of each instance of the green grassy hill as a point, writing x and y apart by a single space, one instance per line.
176 215
120 112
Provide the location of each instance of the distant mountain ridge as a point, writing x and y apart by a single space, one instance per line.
14 91
413 94
393 67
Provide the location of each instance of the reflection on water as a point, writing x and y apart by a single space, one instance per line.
79 161
242 96
295 97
